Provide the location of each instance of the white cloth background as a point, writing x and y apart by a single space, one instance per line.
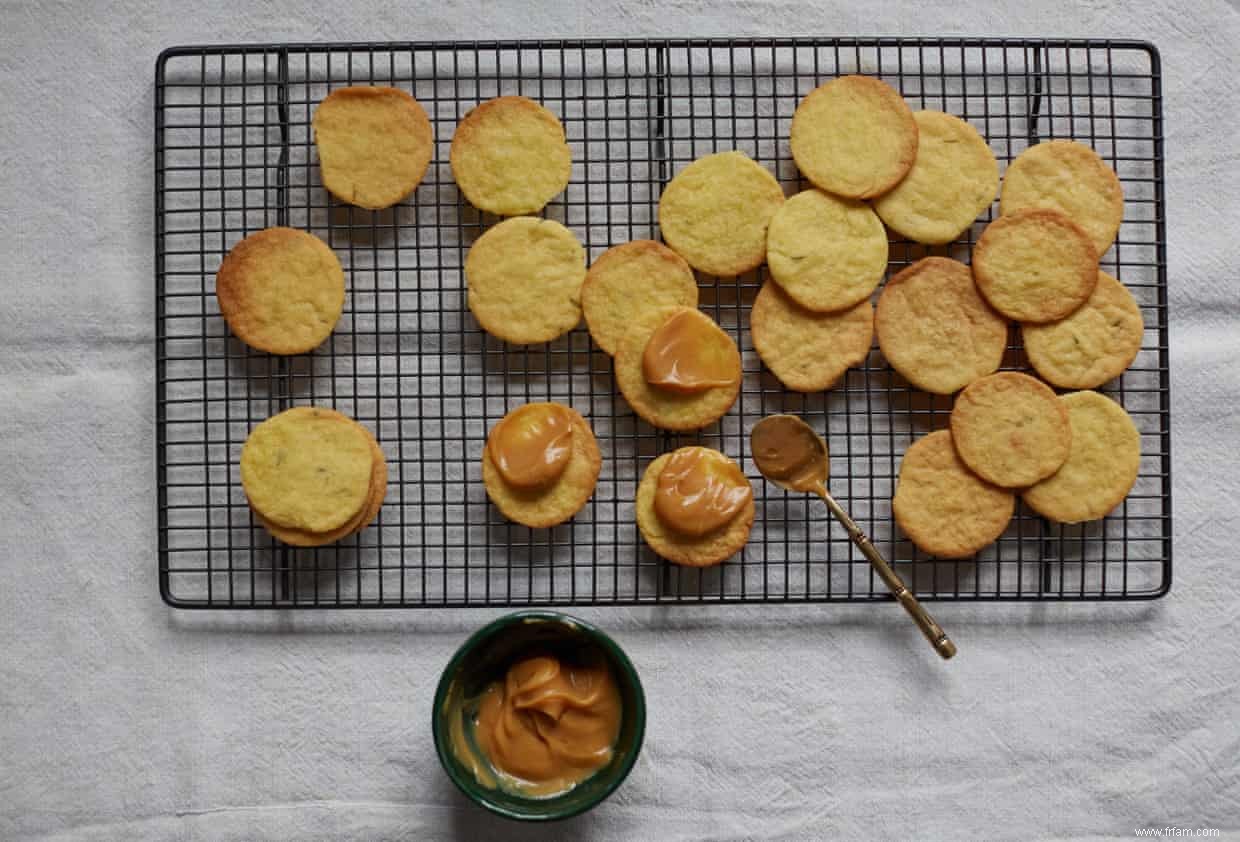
121 719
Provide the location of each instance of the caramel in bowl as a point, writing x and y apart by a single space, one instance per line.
538 716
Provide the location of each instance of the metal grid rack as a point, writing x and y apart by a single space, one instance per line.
234 154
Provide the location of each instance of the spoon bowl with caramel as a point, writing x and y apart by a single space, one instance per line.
792 456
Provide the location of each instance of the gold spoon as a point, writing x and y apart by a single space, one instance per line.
791 455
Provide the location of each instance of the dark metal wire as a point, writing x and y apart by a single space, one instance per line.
234 154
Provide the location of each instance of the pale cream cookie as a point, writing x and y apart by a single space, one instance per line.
1093 345
509 156
374 145
1069 177
1102 466
715 213
1010 429
953 180
281 291
935 328
524 277
808 351
1035 265
629 285
854 136
942 506
827 253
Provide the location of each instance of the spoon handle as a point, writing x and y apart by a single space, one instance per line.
932 630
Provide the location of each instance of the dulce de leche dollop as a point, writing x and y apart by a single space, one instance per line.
549 724
690 353
699 491
531 446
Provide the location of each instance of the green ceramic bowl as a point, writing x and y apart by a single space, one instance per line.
485 657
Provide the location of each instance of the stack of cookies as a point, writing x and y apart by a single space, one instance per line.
313 476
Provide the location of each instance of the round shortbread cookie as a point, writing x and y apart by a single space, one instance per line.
281 290
509 156
715 212
1102 467
854 136
1091 346
935 329
688 550
664 408
1035 265
524 277
942 506
808 351
826 252
368 512
307 468
559 501
629 284
374 145
952 181
1069 177
1011 429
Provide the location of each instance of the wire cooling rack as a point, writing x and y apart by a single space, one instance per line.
234 154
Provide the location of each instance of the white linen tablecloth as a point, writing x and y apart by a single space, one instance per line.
123 719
